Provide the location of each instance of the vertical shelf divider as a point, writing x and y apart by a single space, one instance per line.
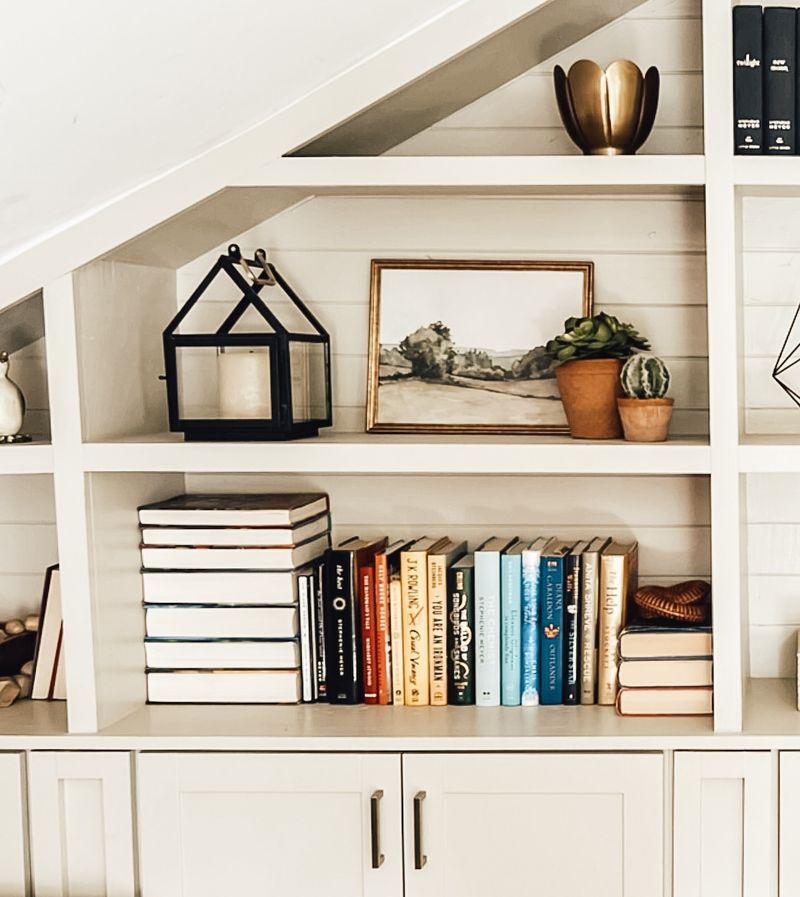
730 618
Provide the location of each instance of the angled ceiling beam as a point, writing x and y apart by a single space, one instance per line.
480 69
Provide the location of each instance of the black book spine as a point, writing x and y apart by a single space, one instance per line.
319 597
780 57
572 624
461 636
342 630
748 101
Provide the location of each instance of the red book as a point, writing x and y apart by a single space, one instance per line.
382 628
368 633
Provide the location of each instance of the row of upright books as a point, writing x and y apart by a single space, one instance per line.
765 66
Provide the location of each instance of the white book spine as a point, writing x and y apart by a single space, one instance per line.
305 637
487 628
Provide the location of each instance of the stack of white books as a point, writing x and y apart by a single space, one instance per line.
221 578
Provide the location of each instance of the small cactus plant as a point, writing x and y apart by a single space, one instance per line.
644 377
601 336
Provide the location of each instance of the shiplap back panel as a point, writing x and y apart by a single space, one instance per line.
522 117
649 255
27 542
770 295
29 371
668 515
773 557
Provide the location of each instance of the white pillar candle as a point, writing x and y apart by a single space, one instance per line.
244 383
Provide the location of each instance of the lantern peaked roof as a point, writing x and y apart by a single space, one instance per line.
469 50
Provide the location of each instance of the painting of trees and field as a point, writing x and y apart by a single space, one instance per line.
482 365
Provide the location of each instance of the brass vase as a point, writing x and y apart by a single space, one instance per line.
607 113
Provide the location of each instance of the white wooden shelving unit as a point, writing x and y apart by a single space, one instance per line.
666 231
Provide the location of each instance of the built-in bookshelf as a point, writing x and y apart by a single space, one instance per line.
689 243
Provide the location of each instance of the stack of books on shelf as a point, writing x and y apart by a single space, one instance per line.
222 578
516 622
665 669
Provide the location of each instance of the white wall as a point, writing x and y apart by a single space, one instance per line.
97 98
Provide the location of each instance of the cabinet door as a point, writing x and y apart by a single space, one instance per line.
725 822
81 823
789 824
13 847
286 824
571 824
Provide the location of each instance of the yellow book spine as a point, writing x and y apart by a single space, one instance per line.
437 627
414 586
613 588
396 624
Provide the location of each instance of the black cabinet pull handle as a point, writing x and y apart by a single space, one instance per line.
419 857
375 820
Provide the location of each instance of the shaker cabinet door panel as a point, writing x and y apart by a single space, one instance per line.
81 824
13 826
789 824
288 825
571 824
725 824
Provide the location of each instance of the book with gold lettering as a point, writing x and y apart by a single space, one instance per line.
461 632
618 580
438 563
416 639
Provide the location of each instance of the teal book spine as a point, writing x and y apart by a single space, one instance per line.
531 561
511 629
487 628
552 629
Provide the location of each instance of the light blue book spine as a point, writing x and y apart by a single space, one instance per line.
487 628
511 629
530 627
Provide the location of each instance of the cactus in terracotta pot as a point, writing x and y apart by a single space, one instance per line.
645 412
589 354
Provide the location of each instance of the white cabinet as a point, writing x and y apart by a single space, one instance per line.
789 860
13 842
286 824
725 824
81 823
566 824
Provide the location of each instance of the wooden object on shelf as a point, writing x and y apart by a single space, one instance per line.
685 601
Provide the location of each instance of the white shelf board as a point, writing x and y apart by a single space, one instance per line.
334 173
770 455
24 457
363 453
766 171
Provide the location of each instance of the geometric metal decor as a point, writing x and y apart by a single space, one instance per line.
786 373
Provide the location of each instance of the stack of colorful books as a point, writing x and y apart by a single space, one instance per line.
221 583
666 669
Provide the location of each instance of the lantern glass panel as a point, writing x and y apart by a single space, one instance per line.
230 383
309 381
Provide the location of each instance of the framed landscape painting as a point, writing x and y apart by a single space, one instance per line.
457 346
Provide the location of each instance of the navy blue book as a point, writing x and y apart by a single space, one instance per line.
552 622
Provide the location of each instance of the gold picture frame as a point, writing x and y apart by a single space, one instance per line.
413 383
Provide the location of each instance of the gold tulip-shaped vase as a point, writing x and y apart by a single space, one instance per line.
607 113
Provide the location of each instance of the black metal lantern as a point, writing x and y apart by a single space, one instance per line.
263 373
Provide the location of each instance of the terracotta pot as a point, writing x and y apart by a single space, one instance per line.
589 391
645 420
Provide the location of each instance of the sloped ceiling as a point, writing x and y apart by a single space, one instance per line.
97 97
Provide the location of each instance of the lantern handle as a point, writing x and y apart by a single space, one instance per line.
262 278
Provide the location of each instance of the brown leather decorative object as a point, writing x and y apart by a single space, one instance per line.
685 601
